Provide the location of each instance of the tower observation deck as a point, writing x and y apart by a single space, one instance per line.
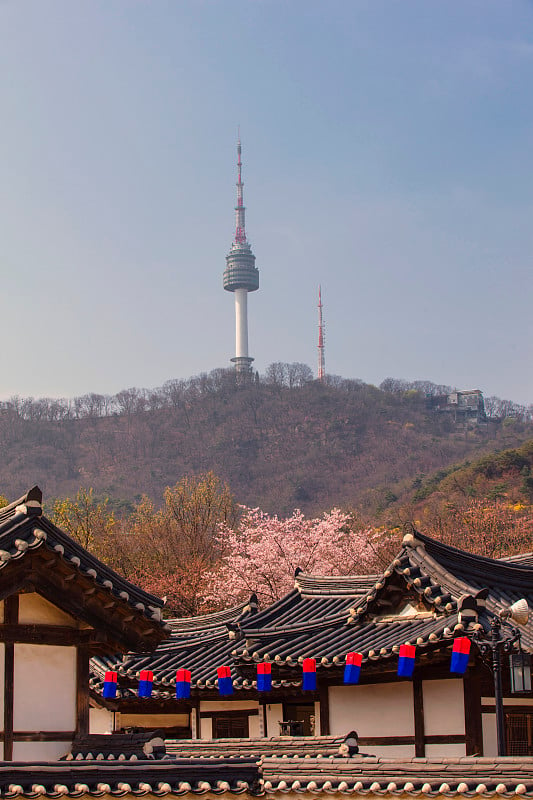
240 277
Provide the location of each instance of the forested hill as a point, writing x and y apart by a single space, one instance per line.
281 442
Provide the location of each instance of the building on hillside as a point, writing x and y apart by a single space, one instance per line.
465 407
59 606
430 595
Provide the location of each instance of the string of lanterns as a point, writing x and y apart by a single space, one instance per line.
352 672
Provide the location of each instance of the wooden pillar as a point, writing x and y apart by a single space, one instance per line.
265 723
82 690
418 709
473 720
11 617
323 695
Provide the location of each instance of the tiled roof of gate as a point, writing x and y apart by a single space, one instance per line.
272 777
416 777
172 778
325 618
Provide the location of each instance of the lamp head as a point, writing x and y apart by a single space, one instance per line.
518 612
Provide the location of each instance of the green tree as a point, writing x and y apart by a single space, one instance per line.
87 520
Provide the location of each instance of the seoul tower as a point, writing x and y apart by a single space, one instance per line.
240 277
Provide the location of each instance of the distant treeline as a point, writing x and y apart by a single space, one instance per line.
176 393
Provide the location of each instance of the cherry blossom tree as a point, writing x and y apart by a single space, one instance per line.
262 552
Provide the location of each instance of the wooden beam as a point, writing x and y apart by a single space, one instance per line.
370 741
11 610
11 616
472 710
14 584
222 712
418 711
41 736
323 693
446 738
44 634
82 690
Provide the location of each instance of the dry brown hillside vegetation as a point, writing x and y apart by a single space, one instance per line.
280 442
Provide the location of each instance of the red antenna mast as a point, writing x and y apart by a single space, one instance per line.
321 340
240 234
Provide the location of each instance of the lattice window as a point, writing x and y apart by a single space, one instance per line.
519 729
231 726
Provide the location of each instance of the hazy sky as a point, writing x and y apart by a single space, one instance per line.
388 155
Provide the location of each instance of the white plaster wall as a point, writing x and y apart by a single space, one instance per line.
206 727
152 720
34 609
445 750
375 709
40 751
443 707
389 751
490 736
228 705
274 715
45 688
254 728
100 720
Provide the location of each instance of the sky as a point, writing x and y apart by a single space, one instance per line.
387 155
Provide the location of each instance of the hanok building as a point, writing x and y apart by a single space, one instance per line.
429 596
59 606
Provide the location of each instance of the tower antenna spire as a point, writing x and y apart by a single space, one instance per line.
321 340
241 275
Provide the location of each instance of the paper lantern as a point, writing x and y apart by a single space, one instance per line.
406 662
225 683
352 668
183 684
460 655
264 676
146 682
309 675
110 685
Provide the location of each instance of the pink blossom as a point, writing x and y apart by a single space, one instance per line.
262 553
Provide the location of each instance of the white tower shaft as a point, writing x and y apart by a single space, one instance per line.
241 323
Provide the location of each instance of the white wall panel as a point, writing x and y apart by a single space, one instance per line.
34 609
445 750
389 751
40 751
100 720
274 715
206 727
254 731
228 705
154 720
444 710
490 736
45 688
376 709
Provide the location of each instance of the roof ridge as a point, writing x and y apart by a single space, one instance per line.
30 503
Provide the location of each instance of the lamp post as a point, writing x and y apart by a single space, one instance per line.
502 638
